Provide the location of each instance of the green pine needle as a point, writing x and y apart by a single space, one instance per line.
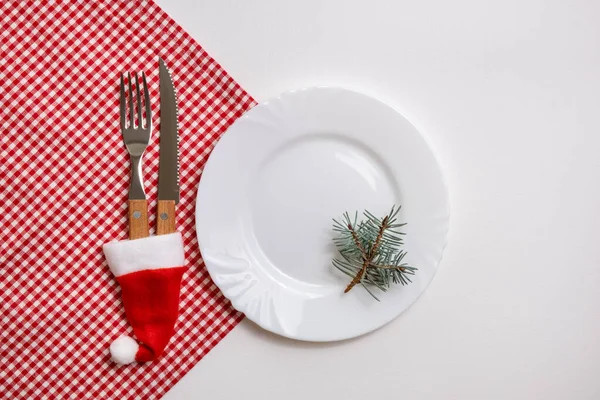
371 251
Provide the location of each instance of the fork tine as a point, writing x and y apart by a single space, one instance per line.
139 101
147 102
130 102
122 104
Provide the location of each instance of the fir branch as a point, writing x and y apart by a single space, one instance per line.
357 241
384 225
370 251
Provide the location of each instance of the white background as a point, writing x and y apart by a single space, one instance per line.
508 94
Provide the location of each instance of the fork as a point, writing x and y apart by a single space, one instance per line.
136 135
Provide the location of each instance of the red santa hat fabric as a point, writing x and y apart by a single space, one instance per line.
149 271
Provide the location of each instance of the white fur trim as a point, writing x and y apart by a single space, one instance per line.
123 350
153 252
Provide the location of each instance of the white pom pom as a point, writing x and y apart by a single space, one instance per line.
123 350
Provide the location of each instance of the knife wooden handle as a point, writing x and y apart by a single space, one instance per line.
165 217
138 219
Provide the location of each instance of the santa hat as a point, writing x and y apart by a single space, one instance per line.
149 271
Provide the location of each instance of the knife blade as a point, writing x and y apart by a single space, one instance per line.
168 170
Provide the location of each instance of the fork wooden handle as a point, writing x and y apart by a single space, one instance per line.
165 217
138 219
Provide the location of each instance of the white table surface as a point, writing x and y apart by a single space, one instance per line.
508 94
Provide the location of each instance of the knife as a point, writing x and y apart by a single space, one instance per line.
168 170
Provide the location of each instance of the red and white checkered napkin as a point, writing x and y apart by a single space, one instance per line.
64 176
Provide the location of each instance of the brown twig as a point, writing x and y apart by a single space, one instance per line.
387 266
368 258
357 241
356 280
382 228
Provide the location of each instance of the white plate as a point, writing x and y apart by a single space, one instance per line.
274 182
